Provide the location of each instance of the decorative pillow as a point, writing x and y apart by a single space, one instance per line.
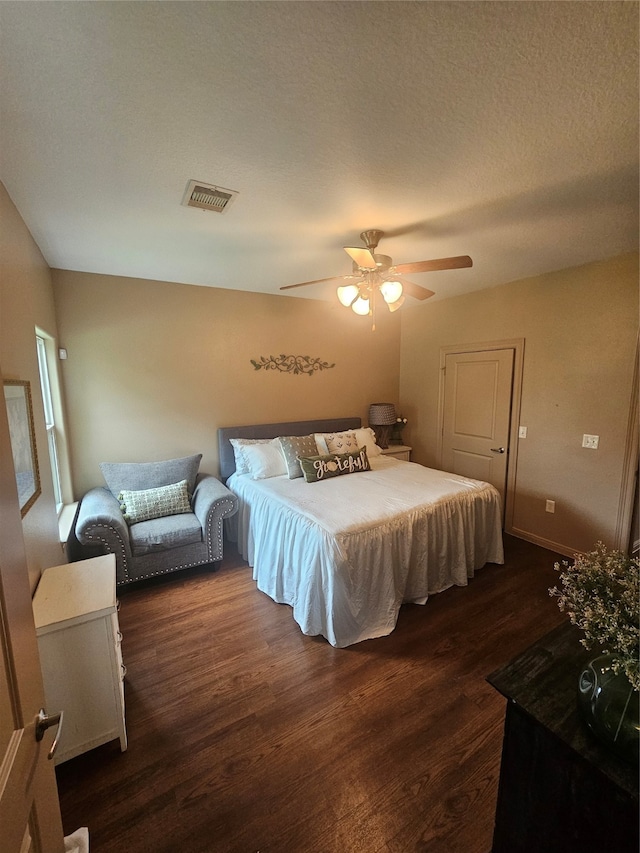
150 475
321 444
294 446
366 437
238 444
317 468
154 503
336 442
265 460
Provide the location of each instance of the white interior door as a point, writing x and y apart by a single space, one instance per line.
477 415
29 807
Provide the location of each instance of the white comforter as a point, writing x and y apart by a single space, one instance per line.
345 553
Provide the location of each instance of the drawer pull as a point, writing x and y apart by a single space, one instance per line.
124 671
119 636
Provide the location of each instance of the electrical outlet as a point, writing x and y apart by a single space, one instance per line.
522 432
550 506
590 441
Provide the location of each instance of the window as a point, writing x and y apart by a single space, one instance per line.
50 419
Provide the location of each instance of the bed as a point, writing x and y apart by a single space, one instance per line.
346 552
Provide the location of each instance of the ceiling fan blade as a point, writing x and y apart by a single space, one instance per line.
362 257
416 290
459 262
319 280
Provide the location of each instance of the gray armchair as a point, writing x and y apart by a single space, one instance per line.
161 544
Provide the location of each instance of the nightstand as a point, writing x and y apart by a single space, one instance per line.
398 451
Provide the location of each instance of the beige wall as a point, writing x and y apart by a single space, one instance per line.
26 301
580 328
155 368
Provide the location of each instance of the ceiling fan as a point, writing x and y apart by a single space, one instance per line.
375 274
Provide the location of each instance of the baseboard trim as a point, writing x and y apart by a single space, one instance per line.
558 547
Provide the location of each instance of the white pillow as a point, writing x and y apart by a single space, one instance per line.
321 444
265 460
238 444
366 437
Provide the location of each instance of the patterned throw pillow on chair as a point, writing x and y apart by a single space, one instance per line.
154 503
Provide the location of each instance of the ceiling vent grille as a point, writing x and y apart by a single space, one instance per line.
208 197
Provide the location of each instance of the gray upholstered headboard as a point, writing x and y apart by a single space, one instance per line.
225 449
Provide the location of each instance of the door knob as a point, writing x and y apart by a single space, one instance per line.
497 450
44 721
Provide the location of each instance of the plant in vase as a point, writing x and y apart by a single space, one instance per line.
396 430
600 592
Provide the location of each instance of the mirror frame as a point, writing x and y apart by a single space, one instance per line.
17 395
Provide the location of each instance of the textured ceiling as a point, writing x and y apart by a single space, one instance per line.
503 130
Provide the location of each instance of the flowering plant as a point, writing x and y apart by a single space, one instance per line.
396 429
601 595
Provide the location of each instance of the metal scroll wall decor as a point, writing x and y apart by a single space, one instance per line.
291 364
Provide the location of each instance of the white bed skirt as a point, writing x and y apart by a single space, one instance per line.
346 553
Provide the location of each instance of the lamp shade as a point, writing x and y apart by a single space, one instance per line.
360 306
348 294
382 414
391 291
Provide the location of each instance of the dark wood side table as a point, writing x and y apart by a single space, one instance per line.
560 789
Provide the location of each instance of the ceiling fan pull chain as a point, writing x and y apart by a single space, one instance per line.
372 297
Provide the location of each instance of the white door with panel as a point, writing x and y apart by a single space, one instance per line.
29 809
477 415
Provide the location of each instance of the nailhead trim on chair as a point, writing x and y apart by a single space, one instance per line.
174 569
219 517
213 516
125 564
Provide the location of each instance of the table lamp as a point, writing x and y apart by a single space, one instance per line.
382 416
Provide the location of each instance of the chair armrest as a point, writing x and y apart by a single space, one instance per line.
100 521
213 502
211 496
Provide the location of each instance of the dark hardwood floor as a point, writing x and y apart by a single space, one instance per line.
245 735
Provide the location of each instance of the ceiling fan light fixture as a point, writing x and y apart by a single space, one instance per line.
347 294
360 306
391 291
383 262
374 276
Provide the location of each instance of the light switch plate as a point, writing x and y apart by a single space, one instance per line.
522 432
590 441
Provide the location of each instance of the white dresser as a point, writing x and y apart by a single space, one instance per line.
76 616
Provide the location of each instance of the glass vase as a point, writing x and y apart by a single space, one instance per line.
396 433
610 707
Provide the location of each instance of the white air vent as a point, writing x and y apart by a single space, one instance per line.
208 197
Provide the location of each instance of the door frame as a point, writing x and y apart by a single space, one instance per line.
629 483
517 345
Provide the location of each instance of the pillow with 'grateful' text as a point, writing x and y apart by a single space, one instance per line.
318 468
